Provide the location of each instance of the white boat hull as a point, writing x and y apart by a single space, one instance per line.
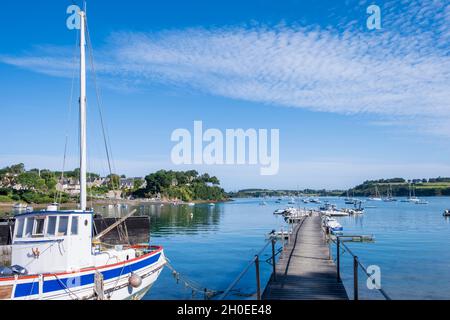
81 285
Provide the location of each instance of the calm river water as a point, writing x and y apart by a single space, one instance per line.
211 246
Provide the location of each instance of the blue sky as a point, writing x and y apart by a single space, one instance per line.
351 103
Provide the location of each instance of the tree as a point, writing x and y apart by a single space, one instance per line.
137 184
114 181
17 168
31 181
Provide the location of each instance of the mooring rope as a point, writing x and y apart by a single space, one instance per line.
209 293
194 286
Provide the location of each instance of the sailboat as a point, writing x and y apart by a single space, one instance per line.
389 195
377 195
412 196
349 200
56 257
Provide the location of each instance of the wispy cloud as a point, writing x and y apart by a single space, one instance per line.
400 71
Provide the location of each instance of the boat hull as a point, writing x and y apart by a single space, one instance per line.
81 285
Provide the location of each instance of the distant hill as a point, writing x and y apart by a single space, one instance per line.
400 187
259 193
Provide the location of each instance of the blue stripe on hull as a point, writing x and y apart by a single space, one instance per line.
29 289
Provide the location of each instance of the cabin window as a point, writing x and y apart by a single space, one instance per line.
39 227
63 225
19 228
51 226
29 227
74 226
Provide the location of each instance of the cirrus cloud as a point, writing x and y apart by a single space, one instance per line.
400 71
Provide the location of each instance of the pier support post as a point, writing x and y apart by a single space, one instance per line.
338 258
355 278
258 280
274 277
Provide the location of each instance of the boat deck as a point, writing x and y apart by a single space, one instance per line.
306 272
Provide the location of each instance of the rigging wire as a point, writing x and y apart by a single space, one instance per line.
58 195
106 139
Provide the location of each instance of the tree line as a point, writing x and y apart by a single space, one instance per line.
40 186
181 185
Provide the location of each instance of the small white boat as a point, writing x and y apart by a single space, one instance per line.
355 211
349 200
412 196
19 206
335 213
447 213
279 211
212 204
191 204
389 195
377 196
333 225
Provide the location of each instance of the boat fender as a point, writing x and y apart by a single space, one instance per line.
21 271
134 280
5 272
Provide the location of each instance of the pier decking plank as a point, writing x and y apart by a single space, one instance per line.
305 271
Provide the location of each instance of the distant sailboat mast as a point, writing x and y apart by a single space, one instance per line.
83 156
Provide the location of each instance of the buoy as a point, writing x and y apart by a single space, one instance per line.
135 281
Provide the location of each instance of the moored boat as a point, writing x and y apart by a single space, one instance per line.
377 196
332 225
54 255
19 207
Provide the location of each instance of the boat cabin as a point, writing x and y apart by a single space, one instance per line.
53 241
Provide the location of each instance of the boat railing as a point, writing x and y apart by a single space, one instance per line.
357 264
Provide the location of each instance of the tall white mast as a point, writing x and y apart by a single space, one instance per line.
83 188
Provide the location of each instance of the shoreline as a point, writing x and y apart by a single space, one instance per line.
9 205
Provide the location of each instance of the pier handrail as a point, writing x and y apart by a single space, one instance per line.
254 260
356 263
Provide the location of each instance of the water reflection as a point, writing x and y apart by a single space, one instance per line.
170 219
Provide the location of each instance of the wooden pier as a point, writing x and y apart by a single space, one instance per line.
305 270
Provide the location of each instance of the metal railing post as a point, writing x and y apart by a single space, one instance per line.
258 280
274 277
355 278
338 259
